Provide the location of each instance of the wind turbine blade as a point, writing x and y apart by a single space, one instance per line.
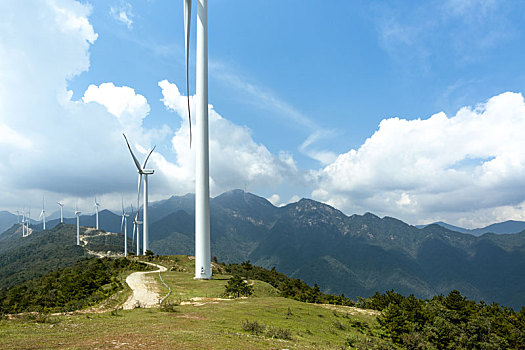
150 152
122 224
187 22
137 164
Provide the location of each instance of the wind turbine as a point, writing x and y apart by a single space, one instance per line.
142 171
43 215
18 216
96 212
202 185
77 213
125 223
61 208
23 223
136 226
28 222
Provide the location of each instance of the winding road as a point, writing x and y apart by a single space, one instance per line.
143 287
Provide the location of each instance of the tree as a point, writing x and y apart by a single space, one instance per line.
237 286
149 255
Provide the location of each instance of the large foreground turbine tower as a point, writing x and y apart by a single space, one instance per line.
202 185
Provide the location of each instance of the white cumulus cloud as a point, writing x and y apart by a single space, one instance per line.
235 158
130 108
452 167
54 145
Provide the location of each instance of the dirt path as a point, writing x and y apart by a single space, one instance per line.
143 287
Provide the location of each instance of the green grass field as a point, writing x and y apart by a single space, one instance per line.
273 322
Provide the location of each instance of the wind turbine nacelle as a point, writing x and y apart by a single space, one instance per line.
78 213
148 171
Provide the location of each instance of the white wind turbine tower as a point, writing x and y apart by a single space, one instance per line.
125 223
77 213
23 223
202 186
97 204
61 205
28 222
43 214
142 171
136 228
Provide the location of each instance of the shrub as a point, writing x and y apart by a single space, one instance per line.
338 325
279 333
253 327
169 306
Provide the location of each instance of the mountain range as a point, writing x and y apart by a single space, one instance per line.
505 227
354 255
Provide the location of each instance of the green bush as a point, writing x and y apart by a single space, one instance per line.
169 306
253 327
278 333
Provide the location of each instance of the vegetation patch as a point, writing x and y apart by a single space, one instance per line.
256 328
253 327
86 283
169 306
289 287
450 322
237 287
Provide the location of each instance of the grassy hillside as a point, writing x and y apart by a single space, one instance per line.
197 316
212 325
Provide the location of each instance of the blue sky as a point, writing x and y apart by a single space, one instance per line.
338 103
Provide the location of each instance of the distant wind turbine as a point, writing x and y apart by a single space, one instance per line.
77 213
133 235
18 216
23 223
97 204
28 222
136 228
142 171
61 208
202 186
43 214
125 223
